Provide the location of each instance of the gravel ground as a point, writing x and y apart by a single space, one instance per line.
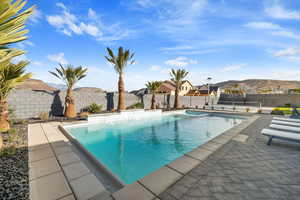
14 183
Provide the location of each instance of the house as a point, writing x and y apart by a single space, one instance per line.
169 87
213 90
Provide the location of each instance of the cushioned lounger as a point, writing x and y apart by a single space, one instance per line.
287 119
285 128
286 123
284 135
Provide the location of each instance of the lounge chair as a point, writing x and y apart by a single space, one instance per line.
287 119
285 128
283 135
285 123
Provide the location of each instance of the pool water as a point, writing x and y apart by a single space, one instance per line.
133 149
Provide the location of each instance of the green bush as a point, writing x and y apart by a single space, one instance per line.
288 105
136 106
277 111
94 108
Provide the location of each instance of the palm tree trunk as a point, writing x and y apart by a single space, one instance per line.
70 104
4 124
121 85
176 101
153 101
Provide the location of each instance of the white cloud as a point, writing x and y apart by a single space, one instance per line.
193 62
58 58
36 16
263 25
155 68
176 48
37 63
25 43
69 24
279 12
287 34
231 68
20 58
178 62
292 53
181 62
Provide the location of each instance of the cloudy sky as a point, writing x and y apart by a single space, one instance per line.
222 39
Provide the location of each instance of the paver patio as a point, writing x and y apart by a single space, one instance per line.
244 170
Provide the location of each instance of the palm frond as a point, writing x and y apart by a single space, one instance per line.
121 60
69 75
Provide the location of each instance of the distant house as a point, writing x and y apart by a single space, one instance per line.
169 87
213 90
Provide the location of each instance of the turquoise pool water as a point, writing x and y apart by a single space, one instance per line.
134 149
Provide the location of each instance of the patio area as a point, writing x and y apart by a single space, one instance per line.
244 170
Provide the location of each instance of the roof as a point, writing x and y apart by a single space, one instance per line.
35 84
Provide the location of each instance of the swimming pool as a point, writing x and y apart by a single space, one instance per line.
132 149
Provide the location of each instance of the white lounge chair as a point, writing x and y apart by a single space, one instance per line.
284 135
286 123
285 128
287 119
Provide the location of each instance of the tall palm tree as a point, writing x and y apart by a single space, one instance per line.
10 76
12 24
120 62
177 77
153 87
70 75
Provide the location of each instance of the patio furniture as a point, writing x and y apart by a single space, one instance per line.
286 123
283 135
285 128
287 119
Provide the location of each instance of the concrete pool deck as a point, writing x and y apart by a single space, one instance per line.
58 172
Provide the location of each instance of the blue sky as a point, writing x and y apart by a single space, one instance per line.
222 39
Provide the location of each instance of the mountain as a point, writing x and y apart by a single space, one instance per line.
35 84
256 85
58 86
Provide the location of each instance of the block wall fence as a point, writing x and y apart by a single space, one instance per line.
30 103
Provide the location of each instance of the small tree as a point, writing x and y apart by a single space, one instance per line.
120 62
70 75
10 76
153 87
177 77
12 24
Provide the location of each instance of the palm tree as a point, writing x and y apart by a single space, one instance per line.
120 62
10 76
12 24
70 75
153 87
177 77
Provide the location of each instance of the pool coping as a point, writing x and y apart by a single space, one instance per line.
150 186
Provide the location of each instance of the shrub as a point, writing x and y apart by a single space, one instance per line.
233 108
277 111
136 106
94 108
288 105
8 151
44 116
247 109
259 111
